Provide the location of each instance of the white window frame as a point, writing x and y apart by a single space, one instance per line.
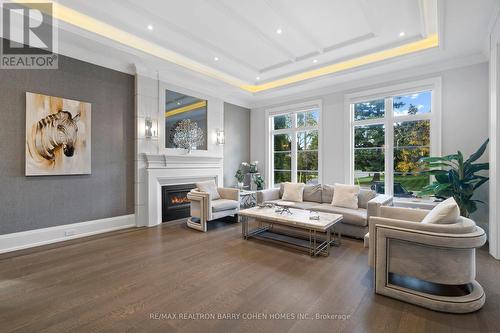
270 132
387 93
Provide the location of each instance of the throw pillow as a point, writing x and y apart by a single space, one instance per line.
293 192
364 196
345 196
209 187
445 212
313 193
327 195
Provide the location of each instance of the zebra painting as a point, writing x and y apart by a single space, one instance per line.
57 136
54 132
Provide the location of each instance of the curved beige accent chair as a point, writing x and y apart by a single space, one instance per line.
428 264
209 202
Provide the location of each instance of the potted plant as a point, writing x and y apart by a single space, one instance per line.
254 167
259 181
456 178
240 177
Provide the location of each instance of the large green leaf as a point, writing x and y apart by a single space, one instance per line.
460 158
470 206
434 188
479 152
454 176
481 181
473 168
440 165
434 172
467 189
442 178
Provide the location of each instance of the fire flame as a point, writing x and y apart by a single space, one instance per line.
179 200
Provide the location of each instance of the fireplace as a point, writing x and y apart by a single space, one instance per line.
175 204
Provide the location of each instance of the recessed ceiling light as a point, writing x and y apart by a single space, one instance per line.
150 27
279 31
315 61
402 34
216 58
257 78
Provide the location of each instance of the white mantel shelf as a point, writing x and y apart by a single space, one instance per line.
187 161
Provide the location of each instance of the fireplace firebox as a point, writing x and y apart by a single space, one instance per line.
175 204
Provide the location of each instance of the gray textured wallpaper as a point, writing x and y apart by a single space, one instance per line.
37 202
237 146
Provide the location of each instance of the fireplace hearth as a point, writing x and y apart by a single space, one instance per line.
175 204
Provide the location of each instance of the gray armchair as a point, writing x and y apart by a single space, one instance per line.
204 208
431 265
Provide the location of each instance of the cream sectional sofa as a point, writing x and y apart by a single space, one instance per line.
319 198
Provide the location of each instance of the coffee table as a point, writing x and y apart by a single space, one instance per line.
307 239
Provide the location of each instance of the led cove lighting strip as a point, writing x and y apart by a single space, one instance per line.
186 108
424 44
88 23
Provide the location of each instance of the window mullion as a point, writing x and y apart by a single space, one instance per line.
294 148
389 144
271 162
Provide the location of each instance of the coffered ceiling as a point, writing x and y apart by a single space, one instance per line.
260 46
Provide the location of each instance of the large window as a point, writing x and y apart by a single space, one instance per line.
389 136
294 146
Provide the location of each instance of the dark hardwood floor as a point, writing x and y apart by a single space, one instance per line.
126 281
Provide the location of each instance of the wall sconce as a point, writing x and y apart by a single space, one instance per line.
220 137
150 128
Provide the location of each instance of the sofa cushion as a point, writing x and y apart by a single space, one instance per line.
327 194
209 187
224 204
293 192
313 193
346 196
277 201
364 196
305 205
445 212
351 216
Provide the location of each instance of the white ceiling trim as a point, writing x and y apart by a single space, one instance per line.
188 35
288 18
348 42
243 21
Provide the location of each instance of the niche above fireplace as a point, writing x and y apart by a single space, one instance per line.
175 204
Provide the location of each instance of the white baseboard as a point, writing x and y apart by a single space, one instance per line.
31 238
